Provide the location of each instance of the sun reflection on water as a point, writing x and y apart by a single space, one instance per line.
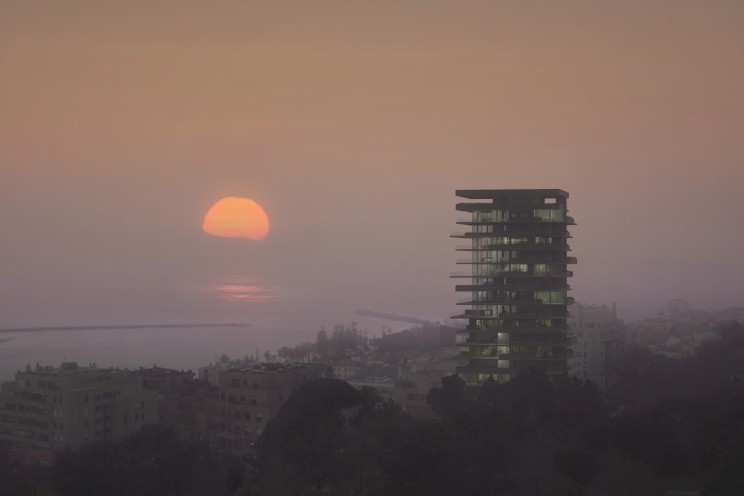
243 290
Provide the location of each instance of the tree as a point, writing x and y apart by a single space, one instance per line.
449 401
727 477
303 450
322 347
15 479
422 463
154 461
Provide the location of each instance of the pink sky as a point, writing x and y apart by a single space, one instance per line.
352 124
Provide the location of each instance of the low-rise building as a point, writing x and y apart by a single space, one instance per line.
251 396
182 399
383 386
599 334
70 406
346 369
411 393
424 373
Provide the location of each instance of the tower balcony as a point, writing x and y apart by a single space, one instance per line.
506 274
530 257
540 312
530 357
514 285
529 219
525 337
475 314
521 247
511 231
499 300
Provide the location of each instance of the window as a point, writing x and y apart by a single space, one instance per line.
550 214
542 269
551 297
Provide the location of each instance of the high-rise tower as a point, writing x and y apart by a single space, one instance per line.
518 283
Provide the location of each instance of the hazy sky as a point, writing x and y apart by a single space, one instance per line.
353 123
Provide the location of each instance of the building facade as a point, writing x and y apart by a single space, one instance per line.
70 406
599 336
517 283
183 401
346 369
251 396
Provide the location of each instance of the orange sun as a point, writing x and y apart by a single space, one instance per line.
234 217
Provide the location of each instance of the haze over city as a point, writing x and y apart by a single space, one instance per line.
352 125
411 247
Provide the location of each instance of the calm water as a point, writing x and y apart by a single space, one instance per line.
277 315
173 348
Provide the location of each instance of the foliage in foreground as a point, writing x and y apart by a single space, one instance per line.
530 436
154 461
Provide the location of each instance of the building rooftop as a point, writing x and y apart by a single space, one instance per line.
67 368
489 194
272 367
160 371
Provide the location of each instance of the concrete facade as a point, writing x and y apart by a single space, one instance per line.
251 396
70 406
599 335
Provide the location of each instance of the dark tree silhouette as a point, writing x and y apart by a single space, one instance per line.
303 450
154 461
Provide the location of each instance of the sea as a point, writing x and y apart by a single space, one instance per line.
238 316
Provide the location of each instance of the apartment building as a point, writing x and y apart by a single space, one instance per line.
599 336
517 283
251 396
70 406
183 401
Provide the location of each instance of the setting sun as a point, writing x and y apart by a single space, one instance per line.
233 217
